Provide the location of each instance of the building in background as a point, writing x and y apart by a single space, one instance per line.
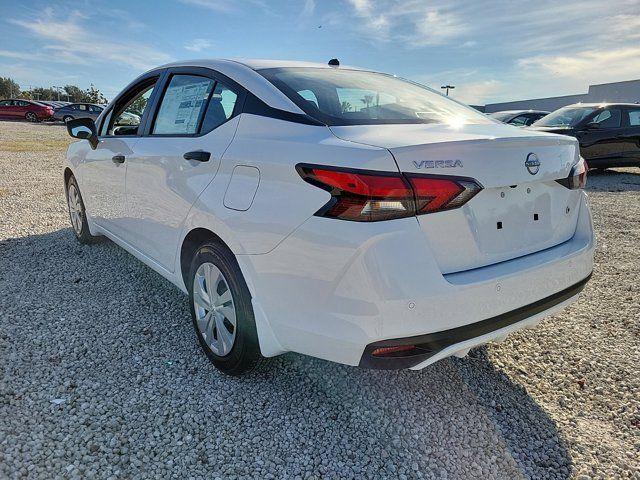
618 92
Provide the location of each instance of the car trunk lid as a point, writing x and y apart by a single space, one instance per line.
521 209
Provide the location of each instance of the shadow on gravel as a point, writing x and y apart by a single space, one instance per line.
103 376
610 180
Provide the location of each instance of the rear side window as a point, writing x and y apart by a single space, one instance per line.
220 108
634 118
183 105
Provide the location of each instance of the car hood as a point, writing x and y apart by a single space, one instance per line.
560 130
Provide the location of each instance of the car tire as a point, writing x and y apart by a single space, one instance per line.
31 117
66 118
218 295
77 213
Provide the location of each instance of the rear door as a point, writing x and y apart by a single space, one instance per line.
177 157
632 135
602 137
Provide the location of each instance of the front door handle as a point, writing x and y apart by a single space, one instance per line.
118 159
198 155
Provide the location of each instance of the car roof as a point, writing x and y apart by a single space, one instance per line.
604 104
516 112
245 72
257 63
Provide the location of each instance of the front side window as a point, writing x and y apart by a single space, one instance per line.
565 117
520 121
609 118
501 116
183 104
354 97
128 112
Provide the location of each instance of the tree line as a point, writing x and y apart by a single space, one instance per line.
9 88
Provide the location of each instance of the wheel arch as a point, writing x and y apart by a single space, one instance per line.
269 344
190 244
67 175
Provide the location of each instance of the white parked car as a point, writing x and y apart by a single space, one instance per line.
332 211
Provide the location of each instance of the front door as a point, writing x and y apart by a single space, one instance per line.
176 158
105 167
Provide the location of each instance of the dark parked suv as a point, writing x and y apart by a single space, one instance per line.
609 134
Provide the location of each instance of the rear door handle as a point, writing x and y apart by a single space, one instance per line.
118 159
198 155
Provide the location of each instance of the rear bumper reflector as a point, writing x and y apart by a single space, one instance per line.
425 346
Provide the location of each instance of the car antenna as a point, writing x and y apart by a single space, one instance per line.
334 62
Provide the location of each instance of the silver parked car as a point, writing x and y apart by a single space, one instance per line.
77 110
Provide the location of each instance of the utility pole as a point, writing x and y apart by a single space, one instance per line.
447 88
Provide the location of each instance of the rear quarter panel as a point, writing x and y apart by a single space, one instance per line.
283 200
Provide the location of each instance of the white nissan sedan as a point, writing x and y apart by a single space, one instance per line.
332 211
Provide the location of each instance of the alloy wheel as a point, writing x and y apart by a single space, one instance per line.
214 309
75 208
32 117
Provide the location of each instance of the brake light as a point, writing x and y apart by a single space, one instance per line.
370 196
435 194
577 176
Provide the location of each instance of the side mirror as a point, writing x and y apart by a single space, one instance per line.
84 129
592 126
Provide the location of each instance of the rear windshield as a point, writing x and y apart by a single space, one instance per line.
565 117
353 97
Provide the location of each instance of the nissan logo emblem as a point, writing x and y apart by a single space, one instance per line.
532 163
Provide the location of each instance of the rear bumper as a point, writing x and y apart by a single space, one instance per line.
335 289
430 345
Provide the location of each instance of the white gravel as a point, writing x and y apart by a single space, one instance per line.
101 376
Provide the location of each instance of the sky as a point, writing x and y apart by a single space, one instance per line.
490 50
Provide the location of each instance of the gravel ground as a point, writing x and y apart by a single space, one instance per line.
101 375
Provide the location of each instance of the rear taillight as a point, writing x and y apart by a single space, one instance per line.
577 176
370 196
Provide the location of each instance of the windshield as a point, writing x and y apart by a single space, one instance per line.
353 97
565 117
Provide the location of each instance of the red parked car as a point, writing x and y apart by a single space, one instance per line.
27 109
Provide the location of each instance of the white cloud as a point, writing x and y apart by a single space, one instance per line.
198 45
437 28
70 41
308 9
413 23
598 65
221 6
